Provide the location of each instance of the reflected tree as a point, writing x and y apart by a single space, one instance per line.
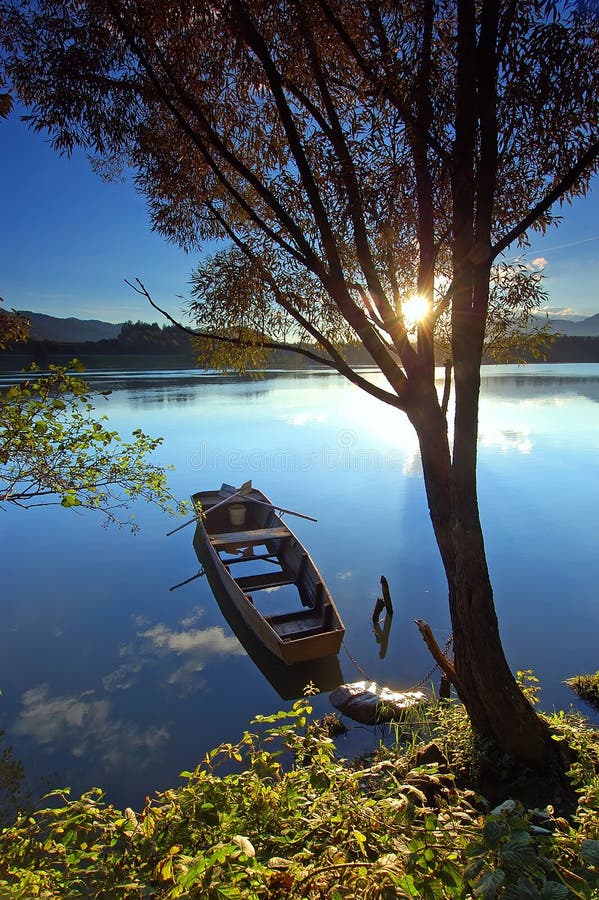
14 794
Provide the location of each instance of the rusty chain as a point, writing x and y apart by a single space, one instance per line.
414 687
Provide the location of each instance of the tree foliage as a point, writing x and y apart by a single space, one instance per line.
54 449
316 141
13 328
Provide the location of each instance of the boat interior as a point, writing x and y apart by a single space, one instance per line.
269 565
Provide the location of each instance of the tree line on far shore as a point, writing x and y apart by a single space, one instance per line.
151 339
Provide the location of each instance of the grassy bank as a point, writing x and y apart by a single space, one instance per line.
287 819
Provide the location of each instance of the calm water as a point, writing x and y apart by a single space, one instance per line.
110 679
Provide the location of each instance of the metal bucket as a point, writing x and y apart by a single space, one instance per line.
237 514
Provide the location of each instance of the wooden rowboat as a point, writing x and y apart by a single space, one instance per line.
289 681
251 557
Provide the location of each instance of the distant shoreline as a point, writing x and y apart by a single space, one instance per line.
565 350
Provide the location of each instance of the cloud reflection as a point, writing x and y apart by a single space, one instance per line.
196 646
191 647
304 418
84 722
506 440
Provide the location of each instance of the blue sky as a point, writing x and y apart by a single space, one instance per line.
68 240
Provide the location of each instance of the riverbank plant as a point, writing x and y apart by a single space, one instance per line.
587 688
279 815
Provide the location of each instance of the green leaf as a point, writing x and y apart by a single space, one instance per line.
554 890
230 893
70 500
523 890
519 851
451 874
589 850
489 884
492 833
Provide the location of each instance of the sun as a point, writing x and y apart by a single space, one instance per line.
414 310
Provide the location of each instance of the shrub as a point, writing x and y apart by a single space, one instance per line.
291 820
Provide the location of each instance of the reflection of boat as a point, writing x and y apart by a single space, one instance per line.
288 681
232 526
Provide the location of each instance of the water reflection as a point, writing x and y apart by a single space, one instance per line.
14 794
540 386
85 724
382 633
192 648
288 681
140 682
505 439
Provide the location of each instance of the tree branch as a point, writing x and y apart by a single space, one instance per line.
446 666
256 41
378 349
381 87
355 202
568 181
337 363
306 254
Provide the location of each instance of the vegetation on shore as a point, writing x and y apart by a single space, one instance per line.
289 819
587 688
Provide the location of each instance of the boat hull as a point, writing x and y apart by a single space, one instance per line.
293 637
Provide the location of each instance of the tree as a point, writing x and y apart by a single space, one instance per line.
13 328
346 155
54 449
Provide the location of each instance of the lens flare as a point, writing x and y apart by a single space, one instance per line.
415 309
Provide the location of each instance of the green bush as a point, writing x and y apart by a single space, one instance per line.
587 688
294 821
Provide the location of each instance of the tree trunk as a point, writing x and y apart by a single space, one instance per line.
497 708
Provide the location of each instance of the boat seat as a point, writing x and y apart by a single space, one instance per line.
307 632
299 616
267 580
248 538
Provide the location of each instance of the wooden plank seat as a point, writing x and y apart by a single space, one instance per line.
248 538
251 557
304 633
267 580
299 615
296 624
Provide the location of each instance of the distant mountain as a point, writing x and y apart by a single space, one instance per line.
585 328
52 328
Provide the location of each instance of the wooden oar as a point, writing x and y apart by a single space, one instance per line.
282 509
184 525
187 580
243 493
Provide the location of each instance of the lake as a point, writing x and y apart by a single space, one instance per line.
109 678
